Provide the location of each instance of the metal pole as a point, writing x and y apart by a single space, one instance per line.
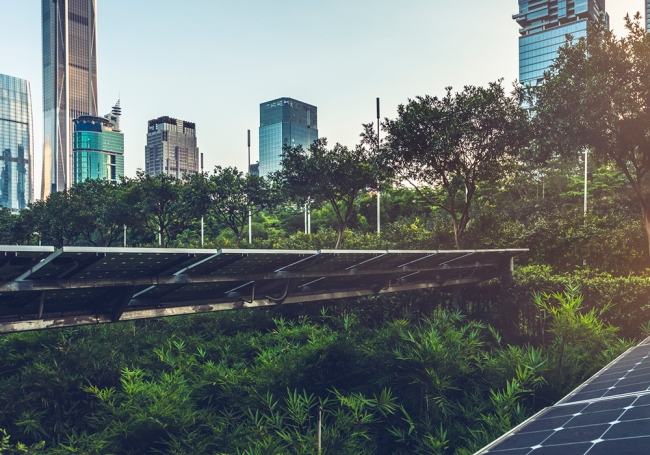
320 429
586 159
307 204
250 217
125 236
202 226
584 261
378 192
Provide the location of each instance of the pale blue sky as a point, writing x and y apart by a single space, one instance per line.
213 62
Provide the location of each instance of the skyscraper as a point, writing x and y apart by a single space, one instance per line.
647 16
544 27
69 83
284 121
16 143
171 147
98 147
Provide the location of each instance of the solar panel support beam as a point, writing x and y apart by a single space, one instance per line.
122 303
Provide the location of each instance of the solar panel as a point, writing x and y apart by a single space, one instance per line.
45 288
609 414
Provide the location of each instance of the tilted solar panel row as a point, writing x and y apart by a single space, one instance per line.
608 414
41 287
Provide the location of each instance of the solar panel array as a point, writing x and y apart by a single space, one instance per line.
608 414
41 287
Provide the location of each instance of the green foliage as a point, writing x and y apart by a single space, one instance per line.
454 144
232 197
252 382
162 204
595 97
6 448
335 176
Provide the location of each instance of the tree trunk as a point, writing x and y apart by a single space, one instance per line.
458 236
339 240
646 222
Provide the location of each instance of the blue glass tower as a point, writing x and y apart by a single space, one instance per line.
98 147
544 27
284 121
16 143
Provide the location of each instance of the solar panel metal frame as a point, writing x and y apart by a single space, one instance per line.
81 285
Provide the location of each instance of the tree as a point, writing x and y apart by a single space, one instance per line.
452 144
233 196
103 211
162 203
55 218
597 97
334 175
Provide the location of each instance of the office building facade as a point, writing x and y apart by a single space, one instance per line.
647 16
171 147
69 83
284 121
98 147
16 143
545 25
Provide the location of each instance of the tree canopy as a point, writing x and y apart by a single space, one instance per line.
454 143
597 97
233 197
335 175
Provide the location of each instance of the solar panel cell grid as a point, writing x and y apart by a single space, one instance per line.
629 374
609 414
582 428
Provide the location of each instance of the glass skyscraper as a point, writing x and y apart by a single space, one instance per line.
171 147
647 16
16 143
284 121
69 83
98 147
544 27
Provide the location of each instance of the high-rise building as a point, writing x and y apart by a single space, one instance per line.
69 83
647 16
16 143
171 147
99 147
284 121
545 25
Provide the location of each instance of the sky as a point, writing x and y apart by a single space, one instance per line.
213 62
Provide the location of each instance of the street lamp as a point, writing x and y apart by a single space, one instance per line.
250 218
202 226
378 192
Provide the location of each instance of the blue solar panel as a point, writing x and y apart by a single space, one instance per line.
609 414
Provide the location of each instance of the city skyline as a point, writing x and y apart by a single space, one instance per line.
69 49
358 51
